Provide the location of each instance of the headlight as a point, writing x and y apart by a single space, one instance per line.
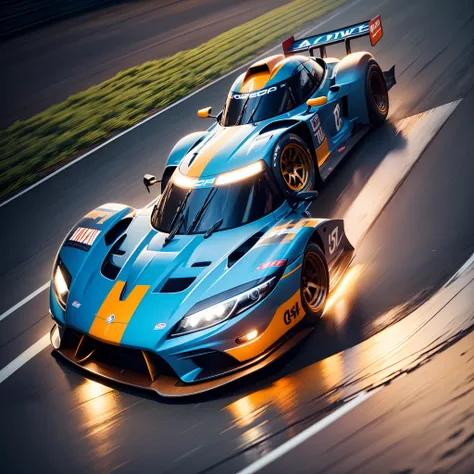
219 312
61 282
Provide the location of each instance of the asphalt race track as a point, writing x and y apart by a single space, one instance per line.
398 325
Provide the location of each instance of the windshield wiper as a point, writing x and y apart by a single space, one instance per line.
254 110
199 213
239 118
170 236
178 215
213 228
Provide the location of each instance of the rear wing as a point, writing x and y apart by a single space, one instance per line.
372 28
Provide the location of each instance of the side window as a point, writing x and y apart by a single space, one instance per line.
316 71
304 85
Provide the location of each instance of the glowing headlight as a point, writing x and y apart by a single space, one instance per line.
224 310
61 283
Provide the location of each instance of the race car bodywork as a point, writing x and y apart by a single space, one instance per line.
227 270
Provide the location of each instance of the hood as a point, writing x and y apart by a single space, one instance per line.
155 285
226 148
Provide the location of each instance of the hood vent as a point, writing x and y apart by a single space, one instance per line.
239 252
201 264
174 285
109 268
117 230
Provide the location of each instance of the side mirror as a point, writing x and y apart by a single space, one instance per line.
150 180
205 113
317 101
307 196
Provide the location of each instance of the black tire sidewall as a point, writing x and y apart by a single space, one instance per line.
281 143
376 117
312 317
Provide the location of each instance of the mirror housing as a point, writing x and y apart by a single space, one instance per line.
150 180
205 113
317 101
307 196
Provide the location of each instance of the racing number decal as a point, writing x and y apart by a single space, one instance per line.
291 313
333 240
337 117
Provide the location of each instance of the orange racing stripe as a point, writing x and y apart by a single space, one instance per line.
207 152
122 310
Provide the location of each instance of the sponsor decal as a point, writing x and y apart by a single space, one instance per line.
100 215
273 263
315 122
159 326
291 314
334 239
332 37
110 319
375 30
255 94
76 304
84 236
318 131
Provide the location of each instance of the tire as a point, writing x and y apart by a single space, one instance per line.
314 273
166 177
376 94
293 164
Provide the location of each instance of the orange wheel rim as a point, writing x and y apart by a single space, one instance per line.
295 166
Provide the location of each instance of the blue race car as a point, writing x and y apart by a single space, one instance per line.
227 270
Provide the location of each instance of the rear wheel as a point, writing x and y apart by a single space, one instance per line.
293 164
376 94
314 284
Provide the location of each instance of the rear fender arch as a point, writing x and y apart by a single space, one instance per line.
350 74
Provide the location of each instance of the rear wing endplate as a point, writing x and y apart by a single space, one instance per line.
371 28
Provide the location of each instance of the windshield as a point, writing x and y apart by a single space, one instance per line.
236 204
243 108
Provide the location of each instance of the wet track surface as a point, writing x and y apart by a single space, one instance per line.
59 420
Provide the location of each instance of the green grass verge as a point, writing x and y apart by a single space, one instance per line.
31 148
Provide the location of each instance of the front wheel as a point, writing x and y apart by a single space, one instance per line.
376 94
293 164
314 284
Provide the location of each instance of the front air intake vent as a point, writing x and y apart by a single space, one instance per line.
174 285
239 252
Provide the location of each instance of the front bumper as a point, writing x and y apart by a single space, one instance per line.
146 370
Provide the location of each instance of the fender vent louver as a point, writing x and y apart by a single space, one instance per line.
239 252
109 269
174 285
201 264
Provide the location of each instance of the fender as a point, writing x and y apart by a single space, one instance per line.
183 146
349 74
291 237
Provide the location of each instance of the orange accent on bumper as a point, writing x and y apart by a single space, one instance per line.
123 311
275 330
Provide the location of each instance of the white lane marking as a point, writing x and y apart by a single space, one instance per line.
461 270
24 301
174 104
24 357
416 133
308 433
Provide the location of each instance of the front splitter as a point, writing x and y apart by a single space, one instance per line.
172 386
